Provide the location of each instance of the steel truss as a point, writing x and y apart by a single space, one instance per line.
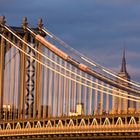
121 126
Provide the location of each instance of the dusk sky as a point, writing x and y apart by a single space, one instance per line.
98 28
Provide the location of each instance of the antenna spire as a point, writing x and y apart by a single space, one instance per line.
123 64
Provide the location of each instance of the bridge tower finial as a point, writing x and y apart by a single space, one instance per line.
2 20
2 23
40 23
123 64
24 22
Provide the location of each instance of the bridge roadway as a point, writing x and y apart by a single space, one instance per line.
126 126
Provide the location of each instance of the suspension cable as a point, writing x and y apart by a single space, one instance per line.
11 58
132 99
76 52
56 62
88 60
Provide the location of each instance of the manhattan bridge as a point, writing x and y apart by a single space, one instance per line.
48 90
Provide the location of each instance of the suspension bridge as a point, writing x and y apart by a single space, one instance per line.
49 90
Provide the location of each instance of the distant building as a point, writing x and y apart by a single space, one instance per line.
9 111
79 110
120 105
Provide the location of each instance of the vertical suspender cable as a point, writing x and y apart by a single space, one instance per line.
65 90
70 91
45 74
50 89
90 98
74 89
16 82
85 97
60 91
95 97
101 100
107 102
55 105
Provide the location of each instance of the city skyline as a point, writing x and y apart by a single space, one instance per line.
96 28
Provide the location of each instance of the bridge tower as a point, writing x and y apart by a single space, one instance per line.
30 86
29 83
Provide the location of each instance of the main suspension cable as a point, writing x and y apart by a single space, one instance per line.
132 99
11 58
88 60
57 63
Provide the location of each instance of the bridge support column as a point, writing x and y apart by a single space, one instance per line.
101 100
1 75
90 99
85 97
119 104
23 72
107 101
114 102
66 92
125 104
95 97
2 61
56 91
45 84
38 110
60 91
138 107
21 112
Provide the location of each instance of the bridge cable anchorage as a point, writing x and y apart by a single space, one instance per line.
88 60
60 65
67 76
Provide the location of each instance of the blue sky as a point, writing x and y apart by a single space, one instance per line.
98 28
